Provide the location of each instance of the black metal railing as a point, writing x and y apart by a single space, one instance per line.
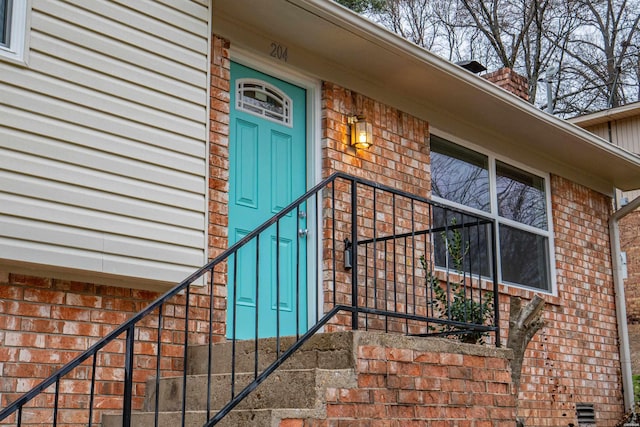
373 258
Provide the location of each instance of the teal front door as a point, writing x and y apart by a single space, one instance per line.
267 171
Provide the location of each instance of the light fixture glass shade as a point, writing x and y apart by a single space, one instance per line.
361 133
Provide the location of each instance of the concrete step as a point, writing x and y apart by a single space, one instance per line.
285 388
324 351
237 418
289 394
297 389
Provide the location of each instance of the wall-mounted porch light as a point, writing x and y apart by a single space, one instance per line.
361 132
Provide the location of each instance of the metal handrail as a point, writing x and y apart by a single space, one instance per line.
357 308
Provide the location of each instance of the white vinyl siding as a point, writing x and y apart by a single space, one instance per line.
103 139
624 133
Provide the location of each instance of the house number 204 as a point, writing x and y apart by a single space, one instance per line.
278 51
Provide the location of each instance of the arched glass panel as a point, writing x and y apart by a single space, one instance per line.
263 100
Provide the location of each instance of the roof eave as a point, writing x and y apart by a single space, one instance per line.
604 116
337 45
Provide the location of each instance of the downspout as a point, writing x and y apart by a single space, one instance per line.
621 309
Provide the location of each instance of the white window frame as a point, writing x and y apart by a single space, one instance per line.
17 50
548 233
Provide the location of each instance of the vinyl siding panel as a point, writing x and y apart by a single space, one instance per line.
601 130
627 133
103 139
624 133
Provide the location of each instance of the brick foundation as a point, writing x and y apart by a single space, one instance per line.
45 323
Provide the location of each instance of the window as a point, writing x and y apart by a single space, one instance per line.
459 175
13 29
5 13
515 198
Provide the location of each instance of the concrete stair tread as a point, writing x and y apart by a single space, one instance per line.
285 388
236 418
327 351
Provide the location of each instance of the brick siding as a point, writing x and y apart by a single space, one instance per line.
575 358
219 174
45 323
398 158
629 238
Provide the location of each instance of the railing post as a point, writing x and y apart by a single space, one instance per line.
494 266
354 254
128 378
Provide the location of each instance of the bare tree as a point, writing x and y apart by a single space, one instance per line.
414 20
595 43
600 66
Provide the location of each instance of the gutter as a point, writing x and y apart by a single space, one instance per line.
621 309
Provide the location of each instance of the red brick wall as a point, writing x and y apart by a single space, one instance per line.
630 243
219 174
575 358
430 383
45 323
629 238
398 158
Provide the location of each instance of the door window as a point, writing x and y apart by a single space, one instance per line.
257 98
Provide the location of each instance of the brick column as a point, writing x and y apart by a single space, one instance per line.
219 172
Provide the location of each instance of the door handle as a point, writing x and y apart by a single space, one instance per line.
303 232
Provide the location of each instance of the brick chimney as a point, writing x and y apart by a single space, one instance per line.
510 81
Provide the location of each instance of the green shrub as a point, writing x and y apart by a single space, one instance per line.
455 303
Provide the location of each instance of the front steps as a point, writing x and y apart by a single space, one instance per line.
297 389
354 378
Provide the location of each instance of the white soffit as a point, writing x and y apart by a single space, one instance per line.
336 45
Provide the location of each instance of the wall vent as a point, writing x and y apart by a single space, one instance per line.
586 414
